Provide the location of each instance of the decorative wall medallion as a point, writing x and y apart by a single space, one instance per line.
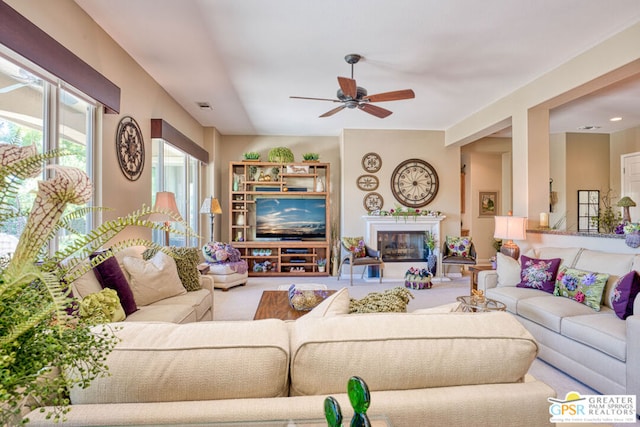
373 202
367 182
414 183
130 148
371 162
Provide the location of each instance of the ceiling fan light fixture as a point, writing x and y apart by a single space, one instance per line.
615 119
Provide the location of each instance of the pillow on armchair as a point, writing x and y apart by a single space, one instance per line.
458 246
355 245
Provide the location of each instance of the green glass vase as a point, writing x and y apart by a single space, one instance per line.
360 400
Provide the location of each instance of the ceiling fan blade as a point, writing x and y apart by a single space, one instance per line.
375 110
348 87
13 87
332 112
396 95
315 99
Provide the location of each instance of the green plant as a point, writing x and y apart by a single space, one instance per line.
429 241
607 218
39 332
497 244
311 156
281 155
321 262
251 155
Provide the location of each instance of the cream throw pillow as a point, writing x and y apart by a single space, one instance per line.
153 280
334 305
508 270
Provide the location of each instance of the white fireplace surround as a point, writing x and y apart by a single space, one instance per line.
376 224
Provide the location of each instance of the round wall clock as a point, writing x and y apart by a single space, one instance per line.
367 182
414 183
373 202
130 148
371 162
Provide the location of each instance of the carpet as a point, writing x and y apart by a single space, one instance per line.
241 302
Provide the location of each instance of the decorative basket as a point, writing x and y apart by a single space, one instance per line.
305 300
417 282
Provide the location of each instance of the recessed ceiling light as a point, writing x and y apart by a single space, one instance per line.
589 127
204 105
615 119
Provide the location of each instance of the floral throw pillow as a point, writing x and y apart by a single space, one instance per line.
459 246
586 287
624 294
539 273
355 245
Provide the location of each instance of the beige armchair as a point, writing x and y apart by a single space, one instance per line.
371 257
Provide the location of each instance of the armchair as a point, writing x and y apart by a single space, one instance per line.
359 255
458 251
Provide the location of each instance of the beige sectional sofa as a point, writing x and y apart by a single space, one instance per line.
175 305
596 347
456 369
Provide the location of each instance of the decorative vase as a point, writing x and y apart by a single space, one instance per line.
321 268
432 260
240 219
319 186
633 239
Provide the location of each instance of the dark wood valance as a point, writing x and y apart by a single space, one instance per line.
162 129
25 38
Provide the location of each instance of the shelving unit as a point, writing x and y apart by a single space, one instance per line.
249 180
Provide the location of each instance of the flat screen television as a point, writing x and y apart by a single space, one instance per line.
291 218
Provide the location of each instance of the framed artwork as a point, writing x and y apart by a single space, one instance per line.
488 203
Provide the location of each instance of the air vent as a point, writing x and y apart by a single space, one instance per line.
589 127
204 105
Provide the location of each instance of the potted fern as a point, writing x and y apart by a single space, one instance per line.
39 331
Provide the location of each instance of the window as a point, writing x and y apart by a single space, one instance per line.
37 108
176 171
588 210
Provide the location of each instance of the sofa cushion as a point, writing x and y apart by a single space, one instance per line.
613 264
508 270
85 284
510 295
586 287
164 362
603 331
624 294
187 260
153 280
355 245
427 350
110 275
549 310
539 273
567 255
200 301
175 313
102 307
458 246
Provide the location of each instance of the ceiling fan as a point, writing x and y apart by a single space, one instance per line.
354 96
24 78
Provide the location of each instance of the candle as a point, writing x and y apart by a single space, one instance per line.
544 220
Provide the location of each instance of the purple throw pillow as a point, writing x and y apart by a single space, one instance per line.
110 275
539 273
624 294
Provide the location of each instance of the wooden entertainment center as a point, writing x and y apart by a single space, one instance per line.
252 183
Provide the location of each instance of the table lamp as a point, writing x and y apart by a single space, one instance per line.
510 228
165 201
211 206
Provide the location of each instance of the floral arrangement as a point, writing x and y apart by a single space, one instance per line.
631 227
417 278
429 241
405 212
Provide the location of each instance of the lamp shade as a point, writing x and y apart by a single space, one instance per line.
210 206
165 200
510 228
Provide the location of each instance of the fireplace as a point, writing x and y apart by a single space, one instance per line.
401 246
403 238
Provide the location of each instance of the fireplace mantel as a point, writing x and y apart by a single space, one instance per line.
429 223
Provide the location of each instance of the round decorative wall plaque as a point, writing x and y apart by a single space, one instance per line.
367 182
373 202
371 162
414 183
130 148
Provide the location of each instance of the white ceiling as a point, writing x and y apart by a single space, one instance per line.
246 57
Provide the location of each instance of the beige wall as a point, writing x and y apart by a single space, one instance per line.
624 142
232 147
558 172
395 146
141 97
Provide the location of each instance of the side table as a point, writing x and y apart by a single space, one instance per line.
475 269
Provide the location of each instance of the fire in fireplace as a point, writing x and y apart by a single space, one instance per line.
401 246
